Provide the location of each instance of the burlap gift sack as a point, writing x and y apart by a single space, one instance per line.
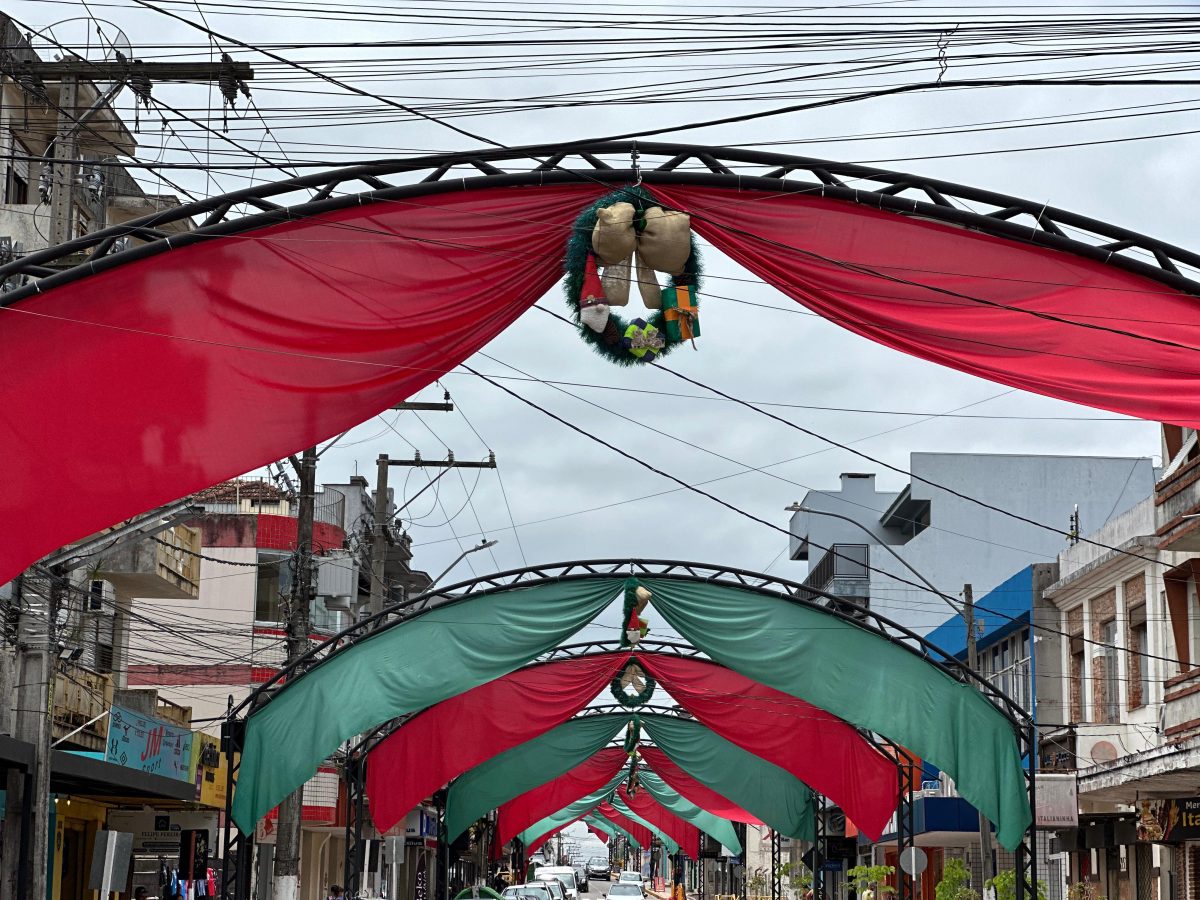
616 279
666 242
648 285
613 238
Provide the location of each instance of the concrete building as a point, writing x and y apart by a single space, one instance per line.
935 525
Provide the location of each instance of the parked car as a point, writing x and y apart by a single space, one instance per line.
558 890
627 890
565 874
532 891
598 867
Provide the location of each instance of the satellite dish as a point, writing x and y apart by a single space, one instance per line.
84 38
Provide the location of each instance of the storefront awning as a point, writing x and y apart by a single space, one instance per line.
74 773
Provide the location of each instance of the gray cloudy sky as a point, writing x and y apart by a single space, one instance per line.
573 499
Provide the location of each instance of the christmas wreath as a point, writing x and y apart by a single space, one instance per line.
623 239
635 677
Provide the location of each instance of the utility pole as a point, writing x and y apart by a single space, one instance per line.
70 73
379 534
287 843
985 828
38 595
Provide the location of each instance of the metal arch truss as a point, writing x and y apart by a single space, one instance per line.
610 164
238 850
670 570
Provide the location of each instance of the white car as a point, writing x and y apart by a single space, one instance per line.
626 890
565 874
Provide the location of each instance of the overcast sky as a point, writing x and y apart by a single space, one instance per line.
571 498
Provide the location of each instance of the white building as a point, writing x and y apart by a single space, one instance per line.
935 524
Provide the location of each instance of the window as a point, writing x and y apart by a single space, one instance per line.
1076 699
1139 665
1108 677
274 579
16 188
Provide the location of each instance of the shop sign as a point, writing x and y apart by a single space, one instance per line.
149 744
160 832
421 823
1057 801
208 762
1168 821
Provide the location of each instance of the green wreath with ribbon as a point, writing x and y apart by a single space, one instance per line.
629 676
673 311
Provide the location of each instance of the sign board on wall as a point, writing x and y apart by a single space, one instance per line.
159 832
421 823
1057 801
1168 821
208 764
148 744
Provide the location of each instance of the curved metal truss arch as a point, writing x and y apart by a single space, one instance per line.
674 570
353 762
610 164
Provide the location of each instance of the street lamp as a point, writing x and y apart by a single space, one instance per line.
797 507
482 545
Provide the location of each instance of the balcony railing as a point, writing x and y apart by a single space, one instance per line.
844 571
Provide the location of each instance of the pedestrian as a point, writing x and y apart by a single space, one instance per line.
336 892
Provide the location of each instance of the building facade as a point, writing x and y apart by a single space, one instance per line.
947 524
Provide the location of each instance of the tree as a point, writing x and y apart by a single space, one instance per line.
1005 886
872 878
955 883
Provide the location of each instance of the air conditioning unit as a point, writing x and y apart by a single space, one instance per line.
337 579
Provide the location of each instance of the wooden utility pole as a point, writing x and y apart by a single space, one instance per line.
379 537
985 827
70 74
286 881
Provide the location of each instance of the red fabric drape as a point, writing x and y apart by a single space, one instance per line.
687 786
592 774
457 734
1083 365
603 835
207 361
818 748
640 832
682 832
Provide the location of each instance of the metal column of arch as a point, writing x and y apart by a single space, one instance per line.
819 847
354 777
776 866
1026 853
237 849
905 821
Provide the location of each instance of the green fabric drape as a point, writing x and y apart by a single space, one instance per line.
572 811
773 795
526 766
719 829
865 679
401 670
623 808
613 831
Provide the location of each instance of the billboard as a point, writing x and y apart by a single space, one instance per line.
1168 821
